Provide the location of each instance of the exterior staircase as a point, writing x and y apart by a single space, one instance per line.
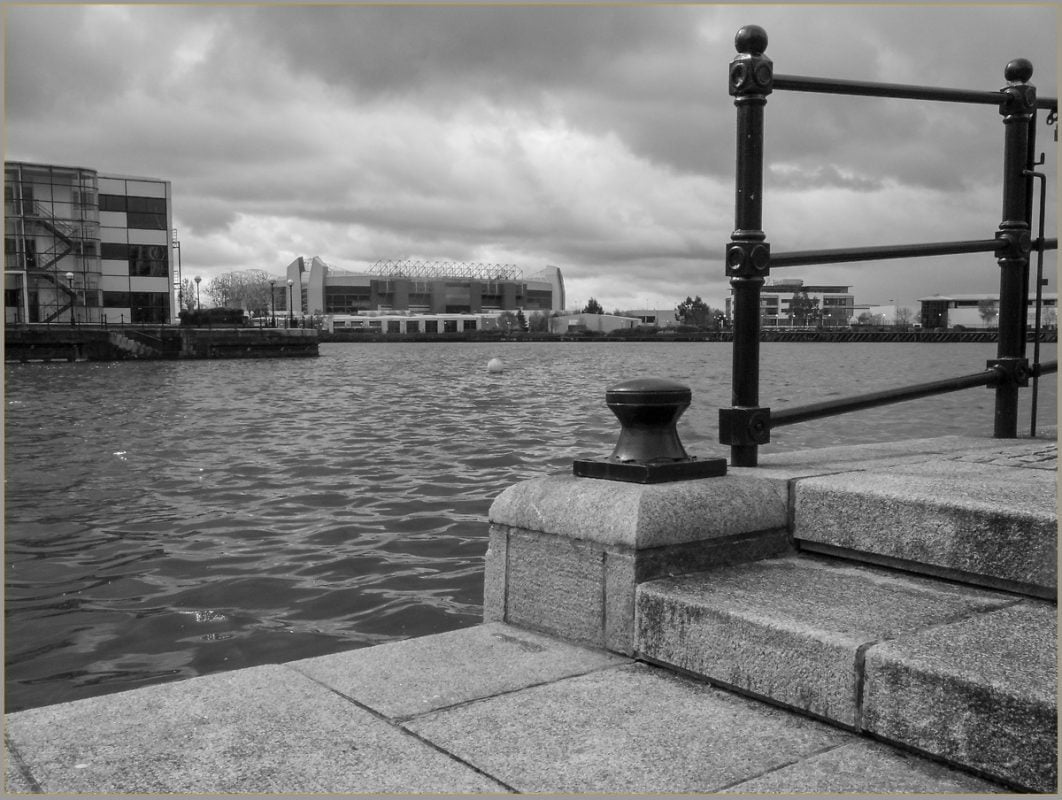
917 606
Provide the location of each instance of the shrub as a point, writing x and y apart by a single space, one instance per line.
213 316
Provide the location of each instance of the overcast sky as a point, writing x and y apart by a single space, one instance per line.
599 139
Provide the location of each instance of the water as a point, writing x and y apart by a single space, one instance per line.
171 519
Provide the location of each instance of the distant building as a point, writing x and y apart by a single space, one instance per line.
981 310
87 246
780 308
415 289
600 323
661 317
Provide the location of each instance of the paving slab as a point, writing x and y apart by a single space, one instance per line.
987 518
866 767
265 729
418 675
627 729
793 629
981 692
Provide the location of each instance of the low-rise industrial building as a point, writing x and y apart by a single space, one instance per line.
973 311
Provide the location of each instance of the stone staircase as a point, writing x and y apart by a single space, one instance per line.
917 606
132 348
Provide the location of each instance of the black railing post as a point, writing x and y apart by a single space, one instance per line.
745 425
1018 108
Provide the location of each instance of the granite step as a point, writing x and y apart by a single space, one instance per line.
988 518
963 674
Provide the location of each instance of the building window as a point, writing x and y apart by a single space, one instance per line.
143 221
112 202
112 251
148 260
150 307
412 326
144 213
394 326
431 326
144 260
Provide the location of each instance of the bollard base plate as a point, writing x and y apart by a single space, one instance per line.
661 472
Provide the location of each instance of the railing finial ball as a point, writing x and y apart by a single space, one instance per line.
751 39
1018 71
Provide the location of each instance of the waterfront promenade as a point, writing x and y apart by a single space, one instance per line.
954 668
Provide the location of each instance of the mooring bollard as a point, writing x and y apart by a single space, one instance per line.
649 449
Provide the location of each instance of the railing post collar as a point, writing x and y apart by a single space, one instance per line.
751 72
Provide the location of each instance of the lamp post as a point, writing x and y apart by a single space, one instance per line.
291 306
272 304
198 307
176 245
73 296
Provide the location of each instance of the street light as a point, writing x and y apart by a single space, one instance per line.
197 306
176 245
272 303
291 306
73 296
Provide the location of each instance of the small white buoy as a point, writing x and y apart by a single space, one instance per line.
495 365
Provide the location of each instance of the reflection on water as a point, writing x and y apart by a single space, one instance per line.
170 519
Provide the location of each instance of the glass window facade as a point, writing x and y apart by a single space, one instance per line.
52 222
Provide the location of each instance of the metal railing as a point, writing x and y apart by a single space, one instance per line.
746 425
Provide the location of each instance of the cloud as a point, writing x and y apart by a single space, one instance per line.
600 139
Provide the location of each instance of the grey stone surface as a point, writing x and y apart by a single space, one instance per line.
866 767
792 629
621 581
981 692
640 516
496 564
265 729
975 519
556 584
796 464
584 591
627 729
402 679
15 781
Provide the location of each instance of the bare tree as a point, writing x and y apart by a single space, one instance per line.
187 294
248 289
904 316
989 310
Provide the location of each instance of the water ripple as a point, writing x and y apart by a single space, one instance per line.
170 519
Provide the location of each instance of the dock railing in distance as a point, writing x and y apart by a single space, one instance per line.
746 425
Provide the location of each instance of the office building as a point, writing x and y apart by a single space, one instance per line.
973 311
791 303
81 246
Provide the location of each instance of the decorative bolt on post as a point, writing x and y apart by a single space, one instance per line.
649 450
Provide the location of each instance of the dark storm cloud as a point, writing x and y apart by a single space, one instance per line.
597 138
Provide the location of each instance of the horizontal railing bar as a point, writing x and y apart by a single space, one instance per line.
844 405
844 254
801 83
